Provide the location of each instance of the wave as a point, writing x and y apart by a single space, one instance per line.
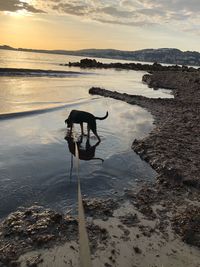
19 114
37 72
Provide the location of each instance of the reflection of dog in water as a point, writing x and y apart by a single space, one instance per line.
77 116
85 153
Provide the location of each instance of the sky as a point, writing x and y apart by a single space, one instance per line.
81 24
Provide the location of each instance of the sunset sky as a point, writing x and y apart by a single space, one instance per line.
119 24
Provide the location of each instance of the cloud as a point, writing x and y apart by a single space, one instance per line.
128 23
129 12
15 5
101 11
77 10
179 14
115 12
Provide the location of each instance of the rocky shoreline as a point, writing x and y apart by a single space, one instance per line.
93 63
173 147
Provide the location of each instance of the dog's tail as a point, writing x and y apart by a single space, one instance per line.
102 118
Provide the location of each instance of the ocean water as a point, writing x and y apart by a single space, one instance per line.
36 164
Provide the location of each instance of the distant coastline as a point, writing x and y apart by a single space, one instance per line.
162 55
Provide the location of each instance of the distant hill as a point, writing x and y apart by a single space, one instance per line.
161 55
7 47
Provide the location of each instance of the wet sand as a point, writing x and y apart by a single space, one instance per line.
156 224
150 226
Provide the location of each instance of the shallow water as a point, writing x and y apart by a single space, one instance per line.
31 93
35 161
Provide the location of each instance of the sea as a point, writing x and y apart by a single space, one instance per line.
37 165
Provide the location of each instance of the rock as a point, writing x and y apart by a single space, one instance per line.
186 223
92 63
100 208
33 227
137 250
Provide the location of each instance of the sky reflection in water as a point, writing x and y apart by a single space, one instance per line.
35 159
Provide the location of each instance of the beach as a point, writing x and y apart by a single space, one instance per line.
35 161
99 130
156 223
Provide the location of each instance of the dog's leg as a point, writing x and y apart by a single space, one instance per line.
82 132
80 139
87 145
88 131
71 127
95 133
94 130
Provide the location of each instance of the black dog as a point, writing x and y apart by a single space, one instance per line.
77 116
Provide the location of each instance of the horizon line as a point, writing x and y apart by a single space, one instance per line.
60 49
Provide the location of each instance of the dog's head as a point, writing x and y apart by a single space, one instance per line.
68 122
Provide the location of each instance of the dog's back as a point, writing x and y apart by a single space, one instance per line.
77 116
